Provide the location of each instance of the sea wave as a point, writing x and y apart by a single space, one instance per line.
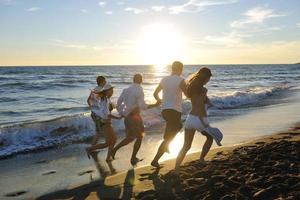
28 137
248 97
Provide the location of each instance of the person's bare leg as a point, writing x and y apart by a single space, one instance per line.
111 140
188 140
206 146
161 150
95 139
97 146
136 147
93 143
124 142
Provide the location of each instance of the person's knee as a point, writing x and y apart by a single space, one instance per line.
167 141
113 141
209 138
186 147
130 139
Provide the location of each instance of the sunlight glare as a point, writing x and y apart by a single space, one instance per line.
160 44
176 145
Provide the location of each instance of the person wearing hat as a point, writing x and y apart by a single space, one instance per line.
101 114
92 102
197 118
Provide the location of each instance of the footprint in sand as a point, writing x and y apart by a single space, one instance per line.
260 143
48 173
16 193
40 162
85 172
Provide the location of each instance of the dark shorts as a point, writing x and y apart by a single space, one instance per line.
134 125
99 122
173 122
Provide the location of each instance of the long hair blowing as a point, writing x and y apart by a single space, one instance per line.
197 81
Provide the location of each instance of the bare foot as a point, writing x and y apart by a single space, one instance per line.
202 161
113 153
134 161
155 164
88 152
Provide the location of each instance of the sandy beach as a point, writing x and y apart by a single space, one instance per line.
264 168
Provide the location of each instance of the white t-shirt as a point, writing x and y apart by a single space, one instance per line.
172 93
131 98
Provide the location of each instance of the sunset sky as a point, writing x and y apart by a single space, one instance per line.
90 32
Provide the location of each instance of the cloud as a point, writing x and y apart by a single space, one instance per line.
264 53
134 10
84 11
108 12
226 40
233 39
120 3
33 9
198 5
102 3
298 24
256 15
62 43
157 8
7 2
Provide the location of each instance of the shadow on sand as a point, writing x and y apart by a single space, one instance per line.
98 188
165 187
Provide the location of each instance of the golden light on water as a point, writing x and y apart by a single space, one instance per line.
160 44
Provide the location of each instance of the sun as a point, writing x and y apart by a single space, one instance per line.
160 44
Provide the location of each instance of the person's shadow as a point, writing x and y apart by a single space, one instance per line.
163 186
98 187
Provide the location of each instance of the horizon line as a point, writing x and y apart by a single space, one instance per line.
110 65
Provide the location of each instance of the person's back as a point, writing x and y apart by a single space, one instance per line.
132 98
130 102
198 103
172 87
171 92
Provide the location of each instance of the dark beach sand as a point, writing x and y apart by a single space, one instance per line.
265 168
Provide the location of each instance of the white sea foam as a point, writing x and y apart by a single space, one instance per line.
39 135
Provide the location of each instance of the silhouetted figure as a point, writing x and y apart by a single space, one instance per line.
197 118
172 87
130 102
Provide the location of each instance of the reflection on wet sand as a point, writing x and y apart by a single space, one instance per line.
98 189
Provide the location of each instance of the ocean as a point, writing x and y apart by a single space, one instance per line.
45 107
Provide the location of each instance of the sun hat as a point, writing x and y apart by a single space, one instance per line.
216 134
97 89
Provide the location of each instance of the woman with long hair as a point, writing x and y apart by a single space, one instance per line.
197 118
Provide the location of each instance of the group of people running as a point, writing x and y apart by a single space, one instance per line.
131 102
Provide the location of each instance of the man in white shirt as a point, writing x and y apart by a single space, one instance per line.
172 87
129 105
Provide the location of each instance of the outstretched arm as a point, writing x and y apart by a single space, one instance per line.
114 117
156 93
142 104
183 87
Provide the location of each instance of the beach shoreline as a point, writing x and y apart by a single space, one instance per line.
147 183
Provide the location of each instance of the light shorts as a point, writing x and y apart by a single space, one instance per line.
193 122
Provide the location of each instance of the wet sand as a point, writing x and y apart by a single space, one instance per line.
265 168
